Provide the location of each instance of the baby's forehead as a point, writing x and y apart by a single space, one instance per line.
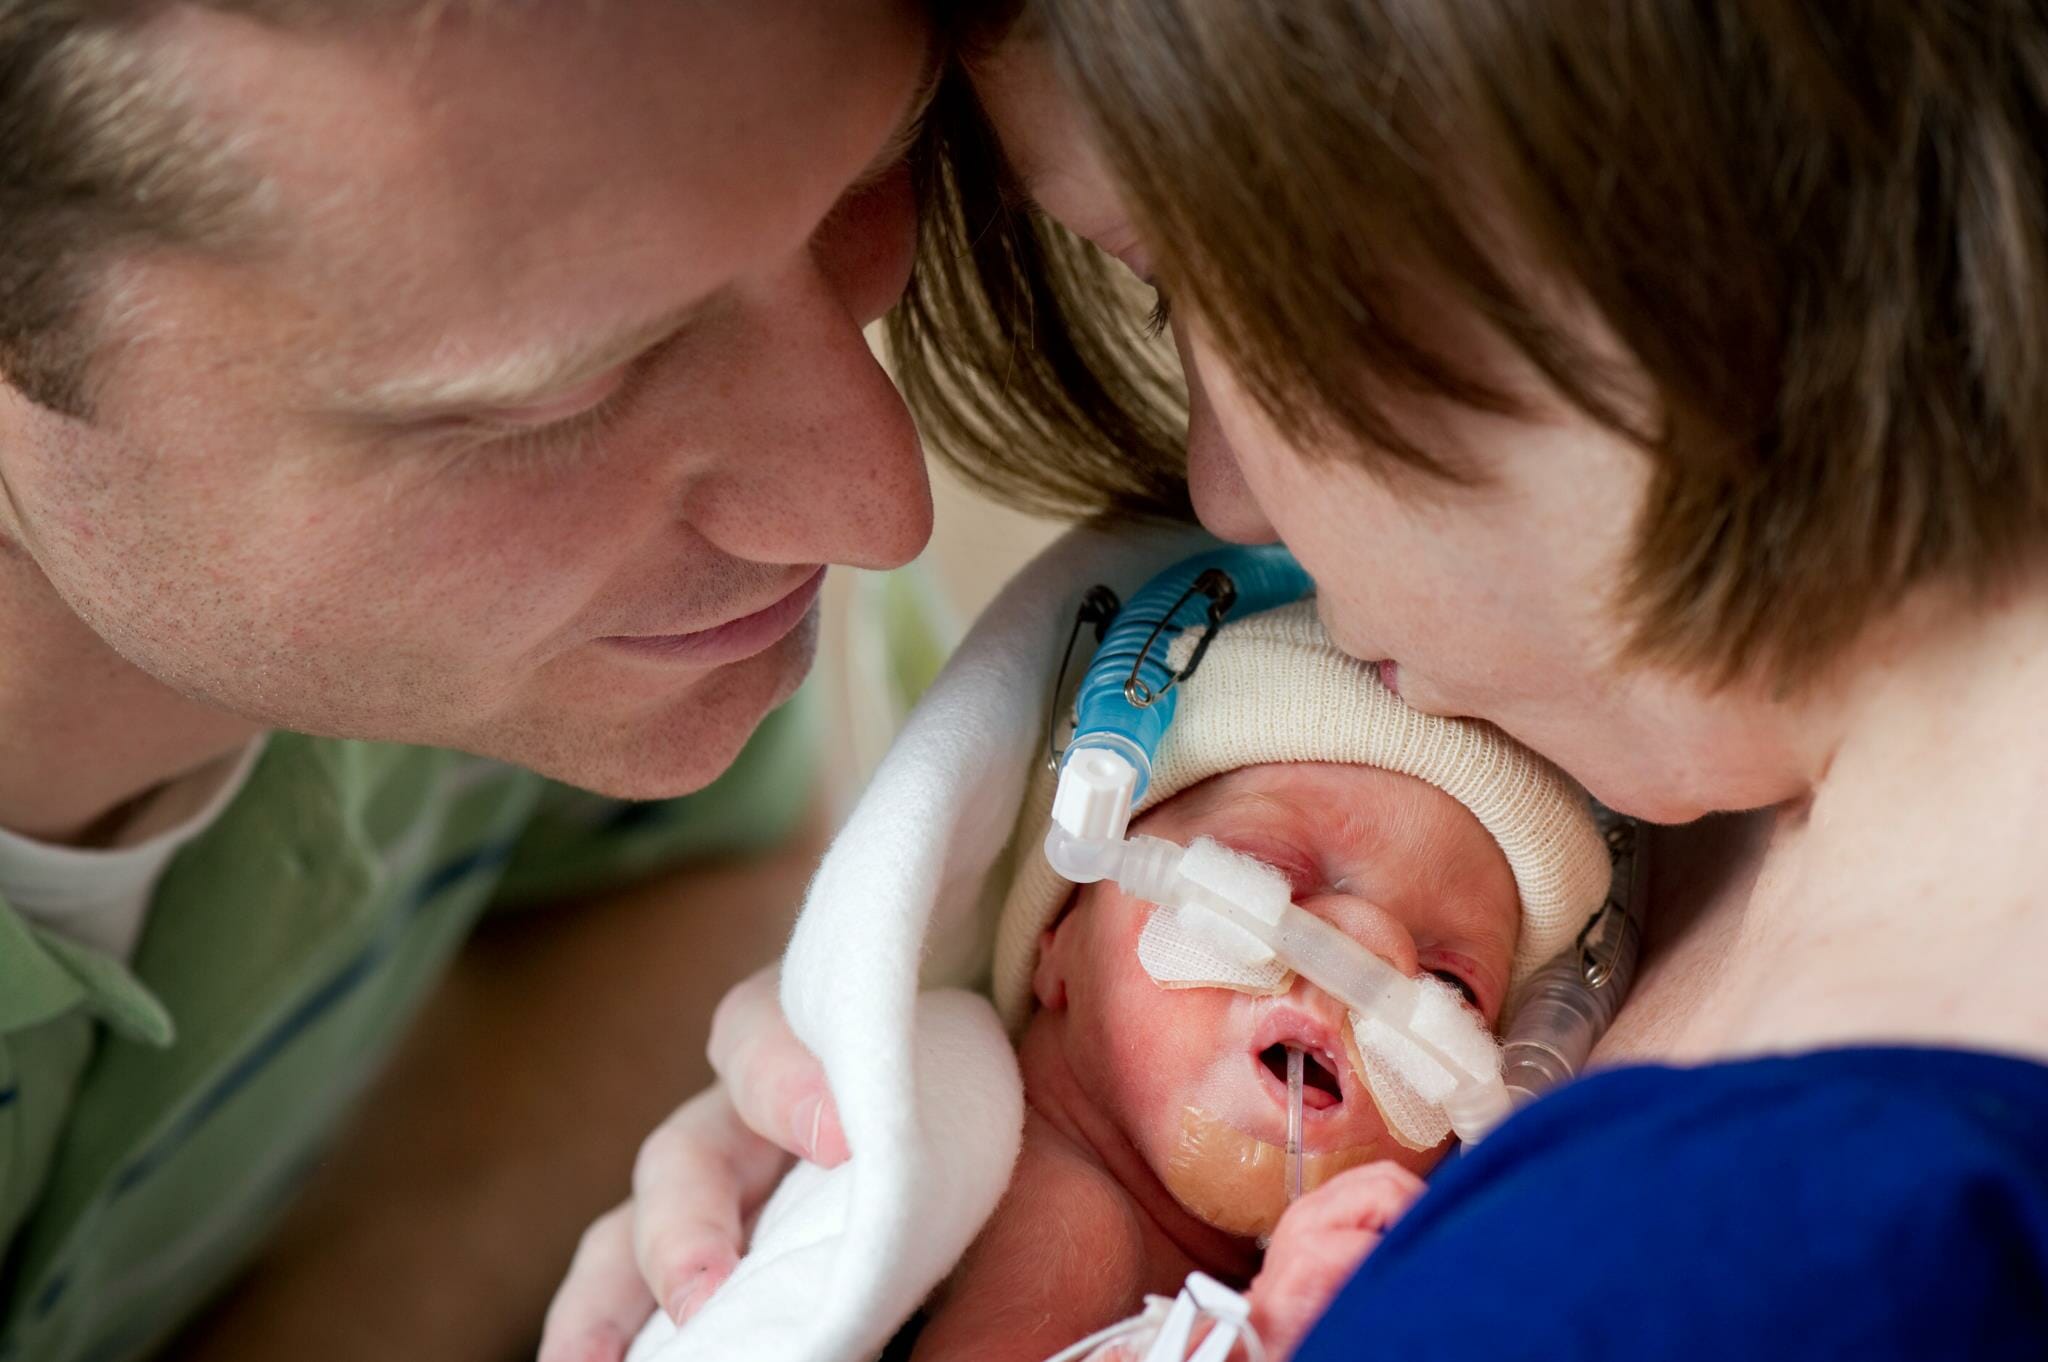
1312 792
1313 819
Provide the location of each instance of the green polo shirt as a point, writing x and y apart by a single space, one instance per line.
155 1119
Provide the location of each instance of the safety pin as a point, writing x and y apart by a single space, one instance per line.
1214 583
1610 923
1099 607
1597 960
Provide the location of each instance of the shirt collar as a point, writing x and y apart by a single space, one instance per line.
43 975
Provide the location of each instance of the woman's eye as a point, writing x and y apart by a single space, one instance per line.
1162 313
1451 978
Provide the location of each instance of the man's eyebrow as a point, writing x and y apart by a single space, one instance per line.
526 376
514 378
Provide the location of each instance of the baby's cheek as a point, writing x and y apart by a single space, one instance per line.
1163 1047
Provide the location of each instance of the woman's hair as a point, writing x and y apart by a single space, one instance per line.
1819 229
1017 344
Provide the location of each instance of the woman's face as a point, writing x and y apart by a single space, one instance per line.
1496 600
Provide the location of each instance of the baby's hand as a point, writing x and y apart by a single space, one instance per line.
1319 1243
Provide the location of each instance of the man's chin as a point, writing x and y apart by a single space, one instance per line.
675 749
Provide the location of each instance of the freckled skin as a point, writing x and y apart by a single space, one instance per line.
234 543
1152 1141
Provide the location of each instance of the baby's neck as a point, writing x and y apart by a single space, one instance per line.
1056 1093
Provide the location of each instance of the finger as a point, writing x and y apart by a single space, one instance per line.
1371 1196
1291 1293
775 1084
602 1301
696 1180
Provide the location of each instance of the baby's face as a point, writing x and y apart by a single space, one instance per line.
1196 1077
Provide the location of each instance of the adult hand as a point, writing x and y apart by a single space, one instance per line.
697 1181
1319 1243
776 1086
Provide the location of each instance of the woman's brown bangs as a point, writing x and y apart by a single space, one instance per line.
1320 232
1018 347
1814 231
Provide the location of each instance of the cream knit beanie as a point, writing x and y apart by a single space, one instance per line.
1273 688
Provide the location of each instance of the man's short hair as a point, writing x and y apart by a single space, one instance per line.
101 148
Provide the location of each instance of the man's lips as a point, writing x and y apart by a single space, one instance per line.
732 641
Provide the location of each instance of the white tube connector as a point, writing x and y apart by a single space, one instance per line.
1091 810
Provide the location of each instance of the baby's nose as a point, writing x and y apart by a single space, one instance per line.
1369 924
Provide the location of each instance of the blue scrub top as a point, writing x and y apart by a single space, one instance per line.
1869 1204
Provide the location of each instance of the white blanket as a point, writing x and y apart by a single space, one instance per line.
902 913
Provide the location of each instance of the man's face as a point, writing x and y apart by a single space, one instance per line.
529 428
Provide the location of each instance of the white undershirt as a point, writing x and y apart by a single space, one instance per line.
99 896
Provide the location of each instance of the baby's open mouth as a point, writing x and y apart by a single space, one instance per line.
1320 1089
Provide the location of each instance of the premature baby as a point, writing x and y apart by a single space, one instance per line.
1157 1103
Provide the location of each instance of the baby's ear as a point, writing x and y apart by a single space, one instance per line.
1049 975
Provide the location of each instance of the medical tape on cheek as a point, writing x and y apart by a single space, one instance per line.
1405 1083
1179 949
1409 1084
1188 947
1246 881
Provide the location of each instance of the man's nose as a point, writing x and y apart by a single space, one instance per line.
818 459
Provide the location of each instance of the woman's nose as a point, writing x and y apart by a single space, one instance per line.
1223 501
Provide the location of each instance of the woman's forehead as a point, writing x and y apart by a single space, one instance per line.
1045 139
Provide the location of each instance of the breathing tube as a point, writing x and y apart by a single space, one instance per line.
1123 708
1128 696
1564 1008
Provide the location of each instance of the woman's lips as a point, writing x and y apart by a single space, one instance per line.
732 641
1390 674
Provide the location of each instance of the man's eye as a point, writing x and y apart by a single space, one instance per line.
1451 978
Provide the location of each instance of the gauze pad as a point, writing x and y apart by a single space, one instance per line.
1408 1084
1249 883
1186 947
1180 949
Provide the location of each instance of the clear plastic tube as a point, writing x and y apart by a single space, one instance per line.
1561 1013
1295 1065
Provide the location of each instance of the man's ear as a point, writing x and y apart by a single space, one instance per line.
1049 975
16 415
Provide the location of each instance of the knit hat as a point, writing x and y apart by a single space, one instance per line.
1273 688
